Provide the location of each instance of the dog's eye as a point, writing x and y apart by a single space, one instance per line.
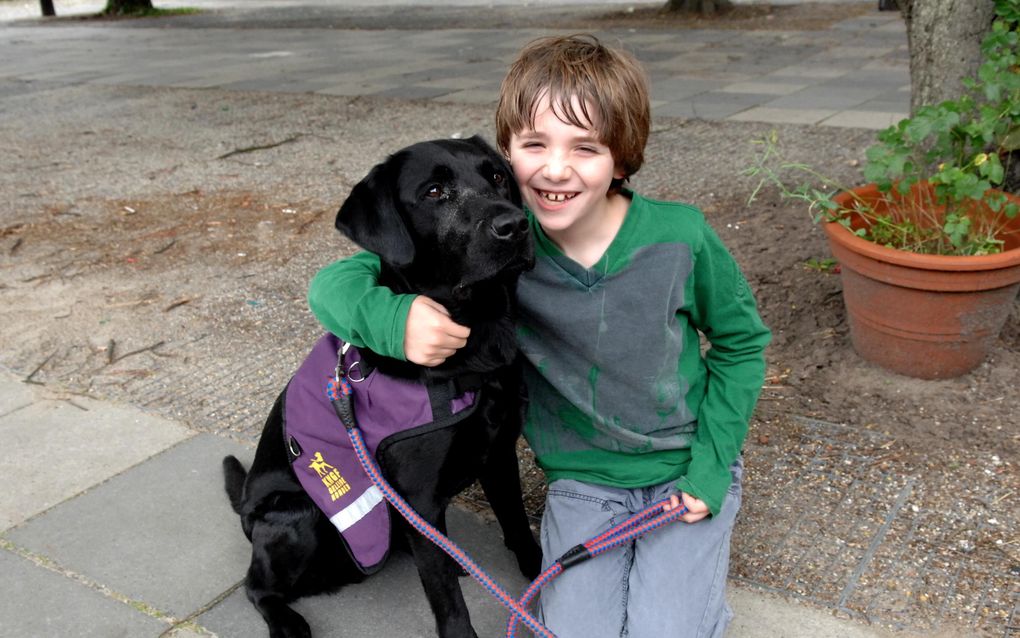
499 178
434 191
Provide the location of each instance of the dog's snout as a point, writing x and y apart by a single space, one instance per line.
509 225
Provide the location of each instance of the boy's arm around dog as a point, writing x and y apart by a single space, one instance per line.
348 301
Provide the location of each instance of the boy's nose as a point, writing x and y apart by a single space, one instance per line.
557 168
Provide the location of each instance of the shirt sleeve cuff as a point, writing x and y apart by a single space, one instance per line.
713 498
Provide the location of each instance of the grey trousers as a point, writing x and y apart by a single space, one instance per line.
670 583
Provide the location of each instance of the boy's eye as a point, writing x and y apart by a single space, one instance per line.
435 191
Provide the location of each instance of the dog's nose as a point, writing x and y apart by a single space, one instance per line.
509 225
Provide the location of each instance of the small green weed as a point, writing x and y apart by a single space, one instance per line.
821 265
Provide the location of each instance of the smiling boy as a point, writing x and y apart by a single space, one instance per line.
624 410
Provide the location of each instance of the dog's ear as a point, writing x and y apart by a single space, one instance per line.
369 217
480 142
484 146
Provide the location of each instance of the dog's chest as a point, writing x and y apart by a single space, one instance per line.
388 410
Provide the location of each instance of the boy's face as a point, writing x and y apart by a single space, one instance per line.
564 172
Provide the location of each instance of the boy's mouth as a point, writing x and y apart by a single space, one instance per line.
556 197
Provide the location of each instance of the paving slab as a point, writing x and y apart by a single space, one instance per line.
162 532
675 89
830 97
718 105
761 614
883 79
35 601
54 449
14 394
763 88
888 102
865 119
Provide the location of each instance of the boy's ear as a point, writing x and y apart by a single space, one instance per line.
371 219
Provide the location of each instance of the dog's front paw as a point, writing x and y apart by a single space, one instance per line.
290 626
529 560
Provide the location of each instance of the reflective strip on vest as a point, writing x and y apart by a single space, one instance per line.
358 509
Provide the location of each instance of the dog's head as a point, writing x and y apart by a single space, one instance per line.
444 214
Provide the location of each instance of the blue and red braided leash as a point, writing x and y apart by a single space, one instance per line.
339 391
648 519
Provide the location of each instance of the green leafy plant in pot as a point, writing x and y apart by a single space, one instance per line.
929 249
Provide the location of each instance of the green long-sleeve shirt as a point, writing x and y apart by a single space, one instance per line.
619 392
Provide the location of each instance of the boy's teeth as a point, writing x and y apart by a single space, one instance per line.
557 197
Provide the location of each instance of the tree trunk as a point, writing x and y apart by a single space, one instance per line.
944 38
126 7
704 7
47 8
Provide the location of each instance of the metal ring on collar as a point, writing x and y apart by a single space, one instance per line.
355 366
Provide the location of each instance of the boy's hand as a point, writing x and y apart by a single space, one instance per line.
430 336
696 508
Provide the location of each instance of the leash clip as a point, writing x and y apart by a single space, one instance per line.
339 387
339 372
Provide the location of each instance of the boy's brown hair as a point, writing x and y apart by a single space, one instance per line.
609 81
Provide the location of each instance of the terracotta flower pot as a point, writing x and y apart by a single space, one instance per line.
926 316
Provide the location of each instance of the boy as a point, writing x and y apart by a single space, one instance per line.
623 409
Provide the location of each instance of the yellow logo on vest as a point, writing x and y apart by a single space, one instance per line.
336 484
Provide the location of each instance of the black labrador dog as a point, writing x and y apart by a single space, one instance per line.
445 219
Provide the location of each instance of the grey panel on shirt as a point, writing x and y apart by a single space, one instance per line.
610 344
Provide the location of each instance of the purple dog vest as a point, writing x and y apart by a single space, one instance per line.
387 409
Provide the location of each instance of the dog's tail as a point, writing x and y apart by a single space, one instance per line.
233 479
